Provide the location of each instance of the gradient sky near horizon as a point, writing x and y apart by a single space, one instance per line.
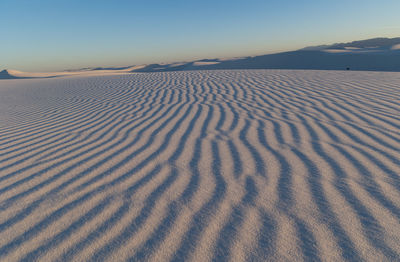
51 35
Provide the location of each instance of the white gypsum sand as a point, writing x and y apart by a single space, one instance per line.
240 165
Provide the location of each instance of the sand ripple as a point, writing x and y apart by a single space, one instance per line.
240 165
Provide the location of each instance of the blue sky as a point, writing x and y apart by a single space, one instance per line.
55 35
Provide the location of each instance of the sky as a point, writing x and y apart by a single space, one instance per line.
52 35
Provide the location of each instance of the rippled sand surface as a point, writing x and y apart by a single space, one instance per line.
249 165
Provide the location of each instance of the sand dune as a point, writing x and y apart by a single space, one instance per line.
365 59
14 74
241 165
377 54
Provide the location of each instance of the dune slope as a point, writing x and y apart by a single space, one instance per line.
252 165
369 59
5 74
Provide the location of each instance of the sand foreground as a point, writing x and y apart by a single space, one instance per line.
249 165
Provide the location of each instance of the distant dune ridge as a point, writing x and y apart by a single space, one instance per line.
226 165
382 43
5 74
378 54
13 74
